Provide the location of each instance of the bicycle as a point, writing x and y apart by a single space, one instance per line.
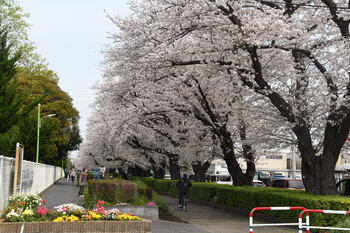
184 204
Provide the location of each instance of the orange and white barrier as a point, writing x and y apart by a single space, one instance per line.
251 217
308 227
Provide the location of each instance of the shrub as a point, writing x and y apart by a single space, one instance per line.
163 186
112 190
162 205
128 190
146 192
342 224
249 197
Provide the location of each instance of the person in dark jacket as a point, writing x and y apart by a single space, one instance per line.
183 186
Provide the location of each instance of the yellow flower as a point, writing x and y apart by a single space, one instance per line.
65 218
59 219
94 215
128 217
27 212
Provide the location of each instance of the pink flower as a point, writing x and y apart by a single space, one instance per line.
114 211
100 203
151 203
42 210
100 210
44 201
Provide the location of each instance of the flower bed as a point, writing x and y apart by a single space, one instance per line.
148 211
29 212
143 226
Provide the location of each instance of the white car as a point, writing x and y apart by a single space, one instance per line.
258 183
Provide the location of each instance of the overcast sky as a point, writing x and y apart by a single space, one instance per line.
70 34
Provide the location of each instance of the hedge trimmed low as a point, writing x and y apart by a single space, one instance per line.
249 197
112 190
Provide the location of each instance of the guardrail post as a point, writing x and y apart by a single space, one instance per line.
251 216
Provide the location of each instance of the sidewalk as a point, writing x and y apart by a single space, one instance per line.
214 220
63 192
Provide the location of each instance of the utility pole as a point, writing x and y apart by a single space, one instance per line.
293 159
38 135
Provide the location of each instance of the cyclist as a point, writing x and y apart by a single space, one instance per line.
183 185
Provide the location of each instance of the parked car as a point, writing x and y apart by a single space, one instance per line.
343 187
222 179
262 176
258 183
277 176
98 174
287 183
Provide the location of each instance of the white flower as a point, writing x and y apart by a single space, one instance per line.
12 214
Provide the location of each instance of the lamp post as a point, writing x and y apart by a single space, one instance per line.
38 131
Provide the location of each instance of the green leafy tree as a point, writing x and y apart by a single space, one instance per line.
61 130
12 107
14 19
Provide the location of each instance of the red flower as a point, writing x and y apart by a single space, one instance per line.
102 210
44 201
100 203
42 210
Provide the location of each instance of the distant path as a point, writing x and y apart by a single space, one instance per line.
214 220
63 192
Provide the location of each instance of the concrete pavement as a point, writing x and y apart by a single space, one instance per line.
215 220
63 192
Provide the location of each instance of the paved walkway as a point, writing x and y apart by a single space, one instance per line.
63 192
201 218
215 220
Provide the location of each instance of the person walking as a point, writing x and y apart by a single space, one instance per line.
183 186
72 175
82 182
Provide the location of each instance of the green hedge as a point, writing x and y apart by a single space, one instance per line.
112 191
248 197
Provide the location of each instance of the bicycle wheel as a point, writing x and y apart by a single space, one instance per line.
184 204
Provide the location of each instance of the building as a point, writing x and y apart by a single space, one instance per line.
268 164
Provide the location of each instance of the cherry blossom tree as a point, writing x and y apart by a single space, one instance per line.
295 55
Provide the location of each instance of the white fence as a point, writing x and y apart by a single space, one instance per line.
36 177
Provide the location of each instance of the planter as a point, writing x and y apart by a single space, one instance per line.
144 226
148 212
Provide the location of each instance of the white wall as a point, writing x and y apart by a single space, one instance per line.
36 177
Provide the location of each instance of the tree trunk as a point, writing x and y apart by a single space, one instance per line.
122 173
200 170
318 175
248 153
174 168
139 171
226 144
159 172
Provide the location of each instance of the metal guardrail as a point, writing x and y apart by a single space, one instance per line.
251 217
308 227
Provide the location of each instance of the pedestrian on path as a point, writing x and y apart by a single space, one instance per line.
82 181
72 175
183 186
